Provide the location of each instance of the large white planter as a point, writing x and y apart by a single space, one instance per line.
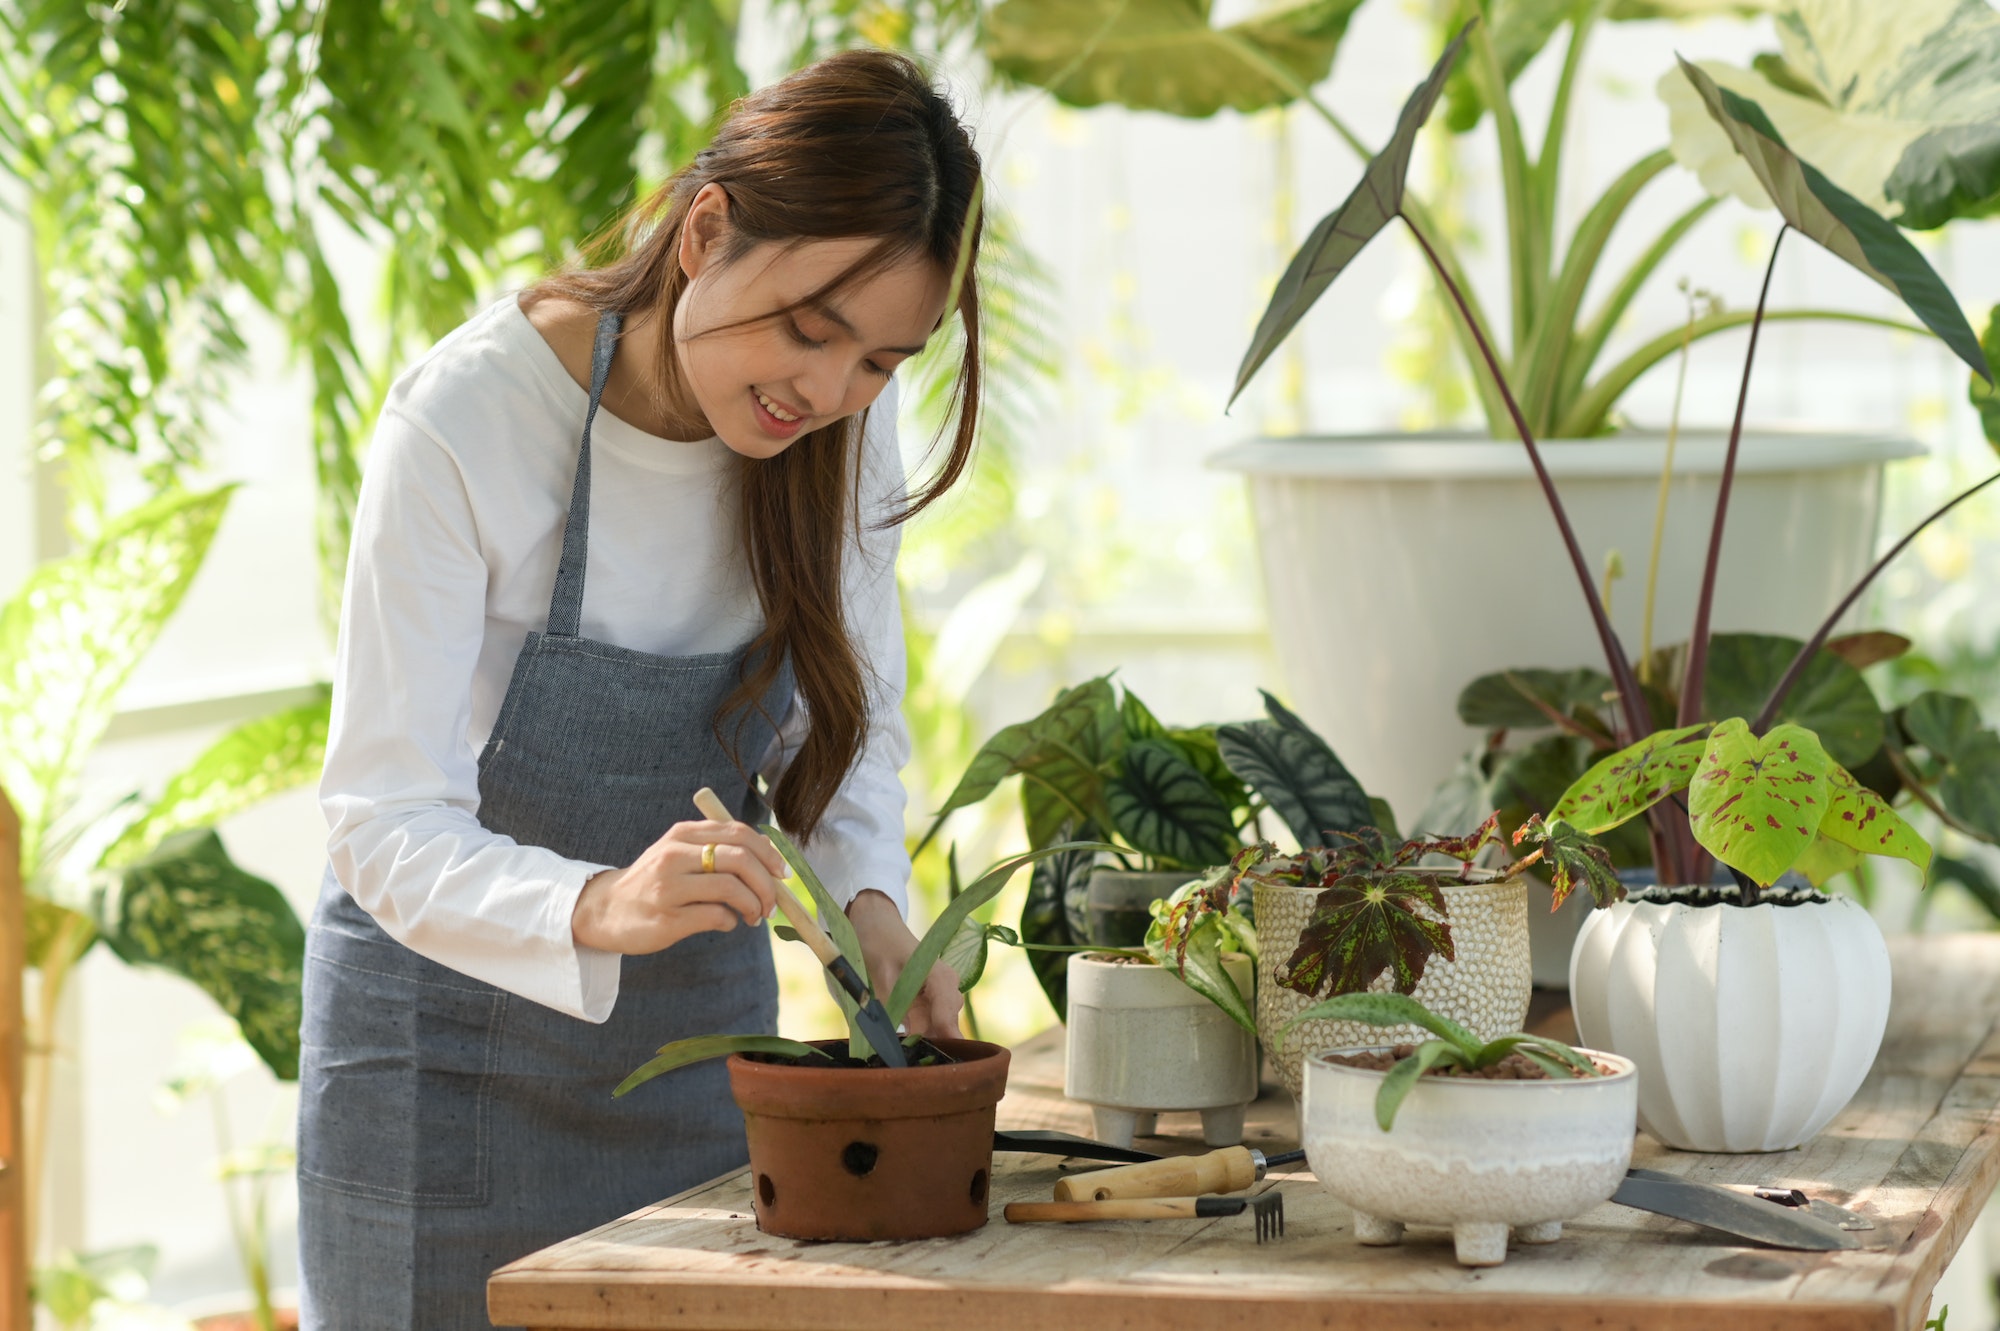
1444 546
1751 1026
1483 1157
1485 987
1141 1043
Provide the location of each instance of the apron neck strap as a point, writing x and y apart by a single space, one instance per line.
566 605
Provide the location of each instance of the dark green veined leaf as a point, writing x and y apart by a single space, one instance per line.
701 1048
1294 771
1859 819
73 634
1403 1078
1388 1010
1836 220
1756 801
1967 754
1831 698
1053 916
1059 747
1634 779
1985 398
983 889
189 909
1529 699
251 763
1199 746
1364 926
1343 233
1384 816
1574 860
1163 55
1165 807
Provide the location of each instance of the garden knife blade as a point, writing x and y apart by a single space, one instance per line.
870 1015
1732 1213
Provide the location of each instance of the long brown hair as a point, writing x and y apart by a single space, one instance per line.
856 145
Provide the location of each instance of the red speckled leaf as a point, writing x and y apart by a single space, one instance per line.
1465 849
1364 926
1859 819
1572 860
1756 802
1632 780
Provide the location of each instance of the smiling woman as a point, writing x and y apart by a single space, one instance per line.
520 905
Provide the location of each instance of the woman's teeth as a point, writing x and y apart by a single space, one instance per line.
774 408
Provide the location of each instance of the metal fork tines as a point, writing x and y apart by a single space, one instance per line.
1269 1209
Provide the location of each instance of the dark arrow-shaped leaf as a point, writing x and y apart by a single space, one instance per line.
1838 221
1346 231
1296 774
1165 807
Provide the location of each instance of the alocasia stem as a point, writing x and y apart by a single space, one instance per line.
1697 663
1810 649
1638 724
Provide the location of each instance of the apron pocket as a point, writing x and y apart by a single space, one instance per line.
396 1077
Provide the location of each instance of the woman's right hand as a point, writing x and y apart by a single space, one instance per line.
665 895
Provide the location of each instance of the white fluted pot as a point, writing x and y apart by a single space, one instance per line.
1751 1026
1486 987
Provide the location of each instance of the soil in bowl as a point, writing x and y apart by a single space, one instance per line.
1514 1067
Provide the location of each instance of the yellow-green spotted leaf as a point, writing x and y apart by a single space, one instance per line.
1859 819
1756 801
1629 782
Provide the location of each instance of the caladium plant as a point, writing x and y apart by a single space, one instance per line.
1763 805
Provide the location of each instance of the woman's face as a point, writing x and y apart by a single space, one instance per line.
762 382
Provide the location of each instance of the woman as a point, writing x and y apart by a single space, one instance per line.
521 903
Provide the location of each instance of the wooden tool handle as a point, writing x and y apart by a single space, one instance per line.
713 809
1157 1208
1230 1169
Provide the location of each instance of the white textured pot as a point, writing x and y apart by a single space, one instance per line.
1484 988
1483 1157
1751 1026
1141 1043
1443 545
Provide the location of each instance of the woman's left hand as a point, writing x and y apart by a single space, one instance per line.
886 944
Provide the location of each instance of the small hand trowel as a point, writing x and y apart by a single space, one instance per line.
870 1015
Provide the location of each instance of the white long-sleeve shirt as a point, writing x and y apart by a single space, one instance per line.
456 540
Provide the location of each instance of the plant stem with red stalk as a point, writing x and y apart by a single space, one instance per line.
1631 702
1697 658
1793 672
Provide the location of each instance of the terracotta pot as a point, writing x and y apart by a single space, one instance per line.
871 1153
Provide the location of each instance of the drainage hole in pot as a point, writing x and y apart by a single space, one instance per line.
859 1158
765 1191
979 1188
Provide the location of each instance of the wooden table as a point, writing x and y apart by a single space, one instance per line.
1918 1150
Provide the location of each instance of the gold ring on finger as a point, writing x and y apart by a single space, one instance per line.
708 858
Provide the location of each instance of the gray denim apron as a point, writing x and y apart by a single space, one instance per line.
448 1127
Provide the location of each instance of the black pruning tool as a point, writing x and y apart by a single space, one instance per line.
870 1015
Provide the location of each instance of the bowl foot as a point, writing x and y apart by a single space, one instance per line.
1546 1232
1119 1126
1377 1232
1224 1126
1480 1242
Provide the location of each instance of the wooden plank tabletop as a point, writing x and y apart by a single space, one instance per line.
1918 1151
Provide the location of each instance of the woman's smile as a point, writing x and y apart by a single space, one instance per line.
774 416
